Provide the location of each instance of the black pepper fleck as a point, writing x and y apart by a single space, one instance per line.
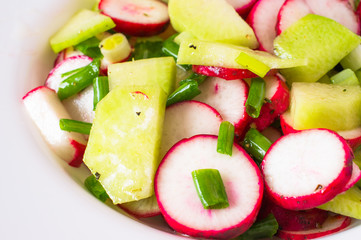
97 175
192 46
138 113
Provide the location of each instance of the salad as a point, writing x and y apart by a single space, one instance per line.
230 119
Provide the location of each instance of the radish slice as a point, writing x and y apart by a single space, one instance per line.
279 99
68 64
136 17
177 196
355 177
227 73
353 136
332 225
186 119
306 169
143 208
339 10
228 98
263 20
242 6
46 110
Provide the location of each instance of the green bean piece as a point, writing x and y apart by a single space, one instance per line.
101 89
255 97
95 187
147 49
256 144
262 229
225 138
210 188
78 81
194 77
184 92
70 125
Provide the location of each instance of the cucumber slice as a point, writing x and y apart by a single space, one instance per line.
213 20
322 41
160 71
81 26
124 142
198 52
317 105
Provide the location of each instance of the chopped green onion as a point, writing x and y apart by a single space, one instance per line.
262 229
147 49
90 47
101 89
352 60
255 97
184 92
345 78
194 77
94 186
252 64
171 48
80 80
72 72
210 188
225 138
256 144
70 125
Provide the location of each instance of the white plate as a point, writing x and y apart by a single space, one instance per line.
40 196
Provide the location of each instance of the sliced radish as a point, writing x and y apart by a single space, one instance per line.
227 73
353 136
80 106
333 224
228 98
177 196
242 6
355 177
186 119
339 10
272 134
46 110
143 208
277 101
136 17
263 20
68 64
306 169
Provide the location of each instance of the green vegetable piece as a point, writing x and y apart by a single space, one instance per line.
352 60
256 144
153 71
71 72
345 78
225 138
70 125
78 81
101 89
321 41
210 188
255 97
252 64
262 229
186 91
90 47
171 48
199 78
94 186
147 49
83 25
325 79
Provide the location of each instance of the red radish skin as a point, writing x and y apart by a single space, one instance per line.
278 94
136 17
332 225
306 169
263 20
68 64
228 98
338 10
355 177
242 7
227 73
353 136
178 199
186 119
143 208
45 109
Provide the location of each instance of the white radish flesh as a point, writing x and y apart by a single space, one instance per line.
290 12
306 169
263 20
228 98
355 177
177 196
46 110
143 208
